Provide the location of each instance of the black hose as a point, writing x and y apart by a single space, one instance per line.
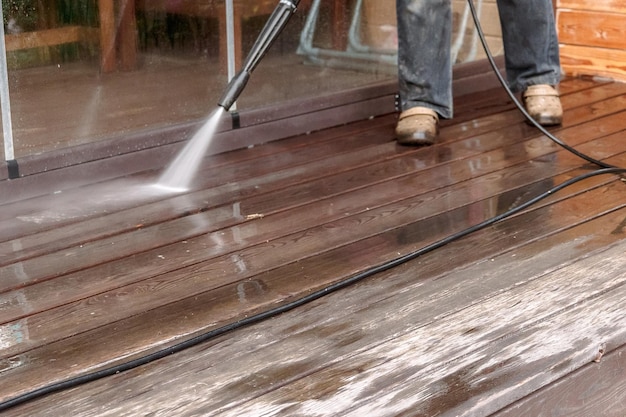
273 27
93 376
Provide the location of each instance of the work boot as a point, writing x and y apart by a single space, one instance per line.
417 126
543 104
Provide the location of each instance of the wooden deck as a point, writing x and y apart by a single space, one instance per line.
528 314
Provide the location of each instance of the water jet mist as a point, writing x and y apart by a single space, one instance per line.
179 174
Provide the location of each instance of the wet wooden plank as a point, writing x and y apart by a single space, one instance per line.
596 389
216 174
111 217
475 361
112 248
228 171
84 232
122 268
334 223
192 313
29 212
258 232
278 359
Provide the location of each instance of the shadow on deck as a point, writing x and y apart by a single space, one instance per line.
508 320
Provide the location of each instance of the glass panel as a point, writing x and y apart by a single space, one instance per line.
329 45
466 45
81 71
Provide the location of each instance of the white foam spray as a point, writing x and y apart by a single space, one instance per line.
181 171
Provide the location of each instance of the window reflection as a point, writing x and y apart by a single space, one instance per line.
91 70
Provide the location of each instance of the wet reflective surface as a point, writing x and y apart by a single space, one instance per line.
167 65
106 272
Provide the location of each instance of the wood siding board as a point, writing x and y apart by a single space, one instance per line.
595 29
617 6
583 60
592 34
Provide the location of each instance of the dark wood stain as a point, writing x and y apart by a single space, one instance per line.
88 282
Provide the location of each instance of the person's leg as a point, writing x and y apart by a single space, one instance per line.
531 47
424 67
531 50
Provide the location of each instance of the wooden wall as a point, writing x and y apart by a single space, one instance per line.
592 34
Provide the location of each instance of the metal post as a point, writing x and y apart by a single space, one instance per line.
5 102
230 42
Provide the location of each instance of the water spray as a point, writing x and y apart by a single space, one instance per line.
180 173
274 26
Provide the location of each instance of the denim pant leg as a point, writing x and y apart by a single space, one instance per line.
424 67
531 47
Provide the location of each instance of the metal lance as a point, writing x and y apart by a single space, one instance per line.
274 26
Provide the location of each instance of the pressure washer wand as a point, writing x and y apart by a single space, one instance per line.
275 24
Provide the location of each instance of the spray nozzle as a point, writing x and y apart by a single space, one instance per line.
275 24
234 89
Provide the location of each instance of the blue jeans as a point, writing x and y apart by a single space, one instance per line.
531 49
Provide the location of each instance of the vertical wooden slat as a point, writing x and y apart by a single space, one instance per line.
108 56
127 39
